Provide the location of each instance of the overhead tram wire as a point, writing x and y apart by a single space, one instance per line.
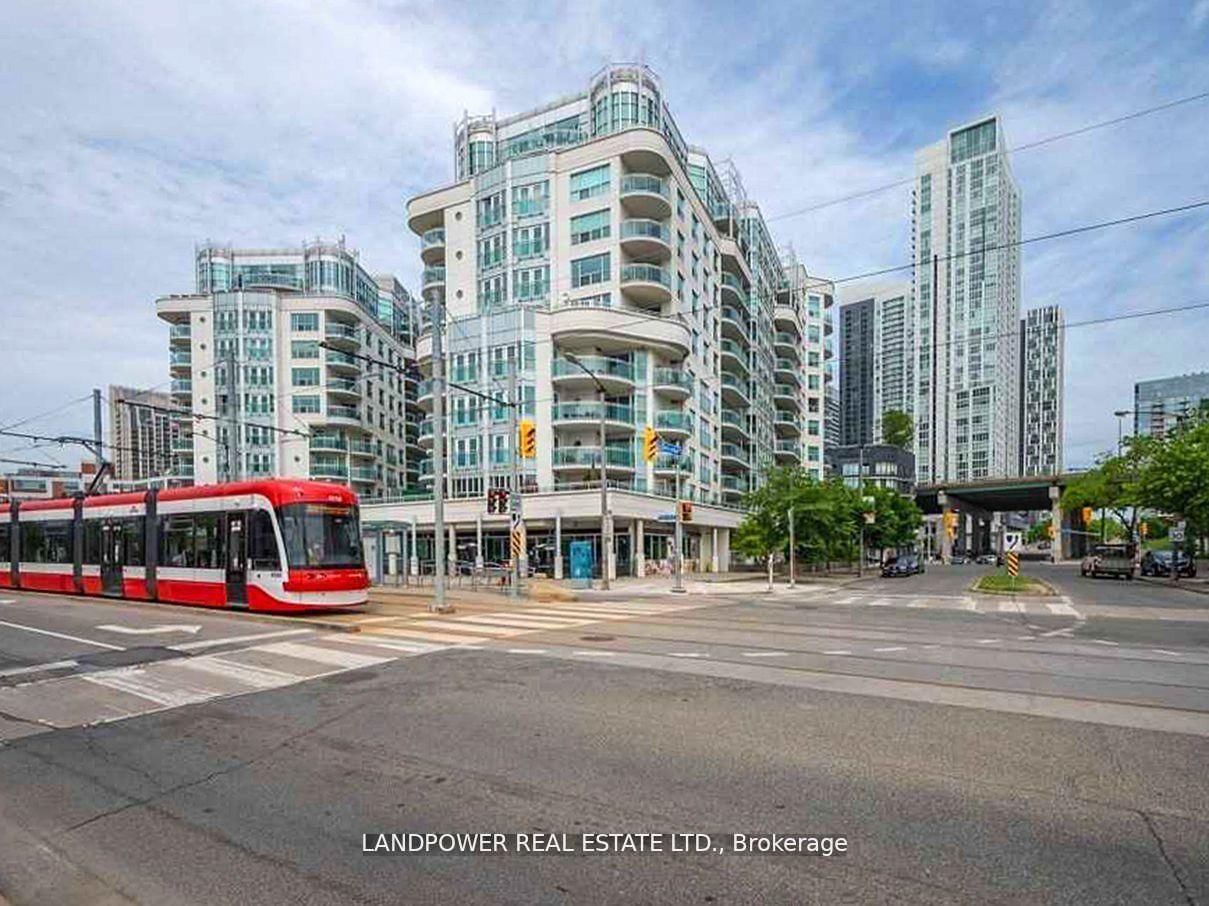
1027 146
819 282
48 413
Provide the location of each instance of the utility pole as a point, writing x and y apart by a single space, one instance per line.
438 604
860 490
234 472
514 499
792 552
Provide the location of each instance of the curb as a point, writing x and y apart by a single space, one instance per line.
1050 591
1182 586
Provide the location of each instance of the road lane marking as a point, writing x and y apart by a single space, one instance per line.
168 693
480 628
1026 638
192 629
918 602
879 602
214 643
531 651
346 659
1105 642
61 635
8 600
685 654
1165 651
594 653
423 636
891 648
988 641
838 651
1010 607
1067 630
521 622
765 654
245 674
38 668
1063 608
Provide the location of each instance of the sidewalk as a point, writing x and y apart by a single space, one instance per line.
1199 585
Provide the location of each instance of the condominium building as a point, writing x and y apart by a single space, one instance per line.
966 294
1160 404
142 431
1042 364
266 398
876 338
619 275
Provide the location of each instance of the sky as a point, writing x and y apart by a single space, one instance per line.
135 131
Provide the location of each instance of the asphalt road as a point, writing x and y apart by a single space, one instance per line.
969 750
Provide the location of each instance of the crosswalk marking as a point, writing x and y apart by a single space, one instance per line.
1009 607
423 635
152 685
470 627
236 639
1062 608
347 659
522 622
584 614
392 644
247 674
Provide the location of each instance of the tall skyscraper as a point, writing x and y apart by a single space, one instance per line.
877 331
966 292
1042 363
265 398
142 433
1161 403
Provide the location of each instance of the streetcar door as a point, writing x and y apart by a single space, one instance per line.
237 560
111 559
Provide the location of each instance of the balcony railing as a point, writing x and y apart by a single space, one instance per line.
672 377
182 385
340 358
179 332
590 456
344 412
645 273
785 339
343 331
601 365
734 451
181 357
614 412
329 470
320 442
347 384
673 420
434 275
643 228
644 183
432 238
730 417
361 446
363 473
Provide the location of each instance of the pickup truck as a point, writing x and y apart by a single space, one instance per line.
1110 560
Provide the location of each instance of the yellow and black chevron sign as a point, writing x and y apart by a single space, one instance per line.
1013 563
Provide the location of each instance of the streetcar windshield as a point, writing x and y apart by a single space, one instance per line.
322 535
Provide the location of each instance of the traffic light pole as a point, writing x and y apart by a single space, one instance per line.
606 522
678 587
514 499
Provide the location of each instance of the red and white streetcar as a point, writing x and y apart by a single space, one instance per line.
276 545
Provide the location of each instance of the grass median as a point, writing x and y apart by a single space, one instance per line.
1003 584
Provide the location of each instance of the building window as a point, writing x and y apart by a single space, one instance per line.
590 183
586 271
587 227
305 377
304 322
531 241
530 283
304 349
530 200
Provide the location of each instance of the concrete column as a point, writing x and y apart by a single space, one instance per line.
714 560
414 552
558 545
1055 519
478 543
723 550
452 555
639 549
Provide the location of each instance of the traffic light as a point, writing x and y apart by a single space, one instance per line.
650 444
1087 516
1051 531
1144 529
686 511
527 439
497 501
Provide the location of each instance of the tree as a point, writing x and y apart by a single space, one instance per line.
1038 531
897 429
896 519
1115 484
1176 479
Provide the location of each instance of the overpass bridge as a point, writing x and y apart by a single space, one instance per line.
976 504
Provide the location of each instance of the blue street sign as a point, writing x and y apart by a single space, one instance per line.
671 448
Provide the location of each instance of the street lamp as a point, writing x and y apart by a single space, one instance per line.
1120 414
606 528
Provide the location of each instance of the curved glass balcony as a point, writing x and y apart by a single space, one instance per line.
646 285
673 421
346 412
589 457
321 442
432 245
614 374
590 413
646 195
646 238
672 382
433 277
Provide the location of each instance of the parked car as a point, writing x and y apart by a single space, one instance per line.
903 565
987 559
959 560
1109 560
1158 563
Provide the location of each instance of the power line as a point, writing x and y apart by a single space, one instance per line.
48 413
1027 146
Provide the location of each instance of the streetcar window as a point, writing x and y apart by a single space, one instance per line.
92 541
176 541
262 543
320 534
208 541
132 540
46 542
5 535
